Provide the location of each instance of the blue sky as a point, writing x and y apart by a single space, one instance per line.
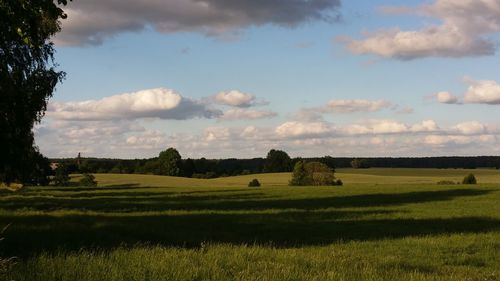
325 77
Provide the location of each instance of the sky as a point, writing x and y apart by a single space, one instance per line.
234 79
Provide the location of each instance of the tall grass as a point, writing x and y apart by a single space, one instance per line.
161 228
5 263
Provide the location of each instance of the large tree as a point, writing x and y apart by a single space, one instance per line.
277 161
170 162
27 79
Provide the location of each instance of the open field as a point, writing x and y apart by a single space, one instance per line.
384 224
349 176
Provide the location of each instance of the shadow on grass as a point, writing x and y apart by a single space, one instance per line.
80 188
34 234
131 201
235 218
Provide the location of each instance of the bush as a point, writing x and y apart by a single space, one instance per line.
88 180
445 182
469 179
339 182
300 176
313 173
254 183
61 177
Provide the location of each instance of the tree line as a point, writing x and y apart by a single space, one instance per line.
170 162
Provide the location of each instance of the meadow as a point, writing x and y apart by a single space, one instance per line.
383 224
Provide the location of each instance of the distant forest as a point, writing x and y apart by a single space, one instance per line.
276 161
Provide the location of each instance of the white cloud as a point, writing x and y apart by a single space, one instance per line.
237 99
425 126
110 138
470 128
439 140
130 139
462 32
302 129
356 105
216 134
447 97
250 132
153 103
149 138
376 127
307 115
90 22
483 91
247 114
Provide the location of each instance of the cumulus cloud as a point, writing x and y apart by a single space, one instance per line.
440 140
90 22
109 138
356 105
479 92
246 114
216 134
376 127
294 129
425 126
447 97
483 91
470 128
237 99
250 132
383 126
130 139
149 138
153 103
463 30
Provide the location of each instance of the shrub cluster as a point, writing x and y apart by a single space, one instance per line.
254 183
88 180
469 179
61 177
313 173
445 182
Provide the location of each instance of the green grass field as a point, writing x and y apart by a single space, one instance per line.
383 224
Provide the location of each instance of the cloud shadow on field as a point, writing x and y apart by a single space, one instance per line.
290 223
119 201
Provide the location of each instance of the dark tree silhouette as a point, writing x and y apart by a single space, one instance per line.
277 161
170 162
27 80
359 163
61 177
469 179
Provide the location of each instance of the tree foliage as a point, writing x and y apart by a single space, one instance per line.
299 175
88 180
170 162
469 179
61 177
254 183
320 174
27 79
313 173
277 161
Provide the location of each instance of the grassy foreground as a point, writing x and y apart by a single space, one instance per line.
384 224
